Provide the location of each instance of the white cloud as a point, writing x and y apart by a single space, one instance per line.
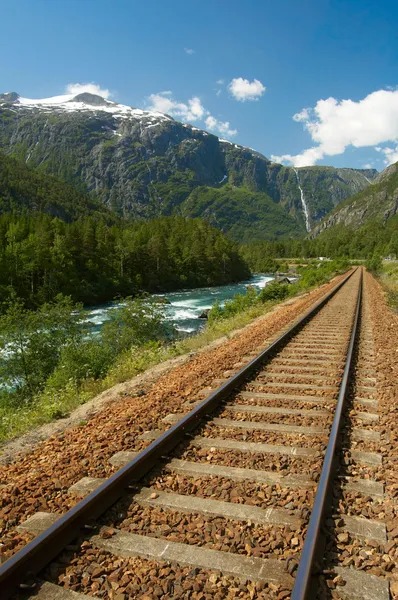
189 51
367 166
219 83
391 154
91 88
335 125
164 102
222 127
307 158
243 89
304 115
192 110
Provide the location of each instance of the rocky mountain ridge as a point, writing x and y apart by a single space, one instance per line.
143 164
378 202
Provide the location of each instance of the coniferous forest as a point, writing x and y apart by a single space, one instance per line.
92 261
55 239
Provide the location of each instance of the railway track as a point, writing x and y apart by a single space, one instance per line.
237 493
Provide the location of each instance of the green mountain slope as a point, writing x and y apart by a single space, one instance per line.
25 190
242 214
379 202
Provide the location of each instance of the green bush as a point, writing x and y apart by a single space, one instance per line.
283 267
375 263
238 304
89 360
135 323
274 291
48 349
31 343
318 273
216 313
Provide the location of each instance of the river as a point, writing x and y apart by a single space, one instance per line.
186 305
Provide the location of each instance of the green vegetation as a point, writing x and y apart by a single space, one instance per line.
93 261
241 213
32 342
388 277
373 239
239 304
374 264
24 190
47 356
310 276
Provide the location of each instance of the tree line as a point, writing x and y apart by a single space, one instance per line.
93 261
376 239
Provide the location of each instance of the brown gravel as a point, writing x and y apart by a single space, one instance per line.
215 533
379 331
104 575
280 402
242 492
267 437
265 462
275 418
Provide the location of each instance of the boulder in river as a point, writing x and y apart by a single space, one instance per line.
161 300
204 314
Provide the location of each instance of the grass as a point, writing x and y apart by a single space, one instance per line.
389 280
53 404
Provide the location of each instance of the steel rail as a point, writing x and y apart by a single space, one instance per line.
46 546
302 589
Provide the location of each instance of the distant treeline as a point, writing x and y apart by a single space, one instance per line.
374 239
94 261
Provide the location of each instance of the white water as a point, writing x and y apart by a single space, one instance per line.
303 203
182 312
185 305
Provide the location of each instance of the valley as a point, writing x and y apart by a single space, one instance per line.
142 164
198 300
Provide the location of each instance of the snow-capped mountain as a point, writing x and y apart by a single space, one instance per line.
143 164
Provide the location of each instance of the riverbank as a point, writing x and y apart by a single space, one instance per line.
215 349
183 307
55 404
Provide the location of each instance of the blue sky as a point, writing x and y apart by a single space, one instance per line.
337 59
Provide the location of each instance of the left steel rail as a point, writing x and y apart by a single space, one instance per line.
38 553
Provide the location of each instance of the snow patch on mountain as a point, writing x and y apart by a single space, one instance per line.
84 102
94 103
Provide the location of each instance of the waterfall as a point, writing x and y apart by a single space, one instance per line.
303 203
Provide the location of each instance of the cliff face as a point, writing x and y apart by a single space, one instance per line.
143 164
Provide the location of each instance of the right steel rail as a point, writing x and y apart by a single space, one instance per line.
302 589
